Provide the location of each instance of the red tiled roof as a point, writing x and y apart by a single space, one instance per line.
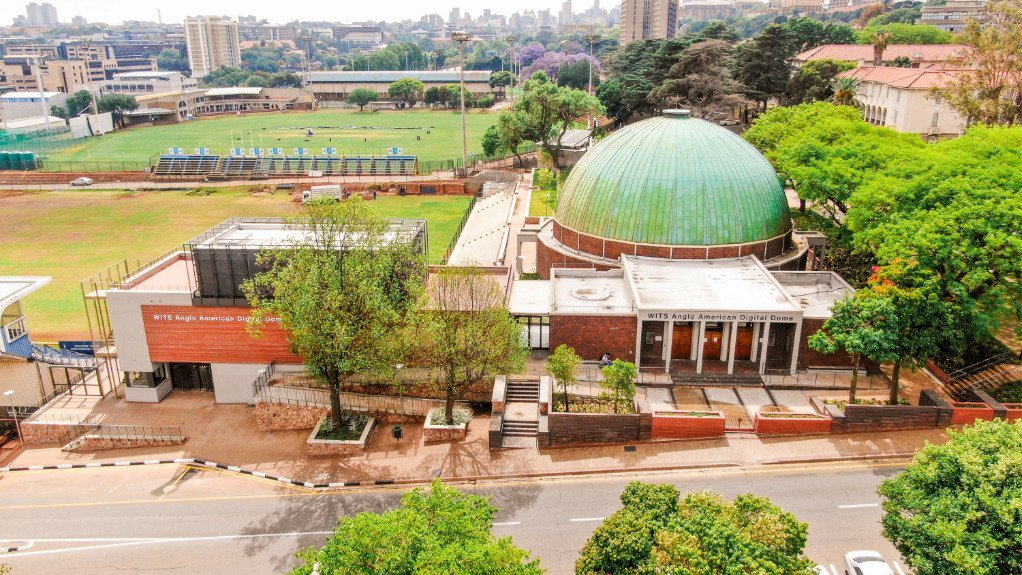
863 52
907 78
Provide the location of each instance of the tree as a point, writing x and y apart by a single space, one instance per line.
845 90
807 33
863 326
869 12
78 103
529 53
549 111
286 80
361 97
563 366
117 105
501 80
464 332
59 112
701 81
907 15
171 59
764 64
657 530
433 532
906 34
955 509
619 380
408 90
988 88
880 41
491 140
341 291
433 96
512 128
814 80
575 74
255 81
450 94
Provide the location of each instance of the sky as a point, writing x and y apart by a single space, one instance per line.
278 11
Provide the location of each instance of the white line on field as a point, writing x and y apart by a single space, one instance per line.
580 519
858 506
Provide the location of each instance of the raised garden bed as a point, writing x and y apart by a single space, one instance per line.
436 430
349 439
841 403
688 424
1014 411
788 423
591 404
968 412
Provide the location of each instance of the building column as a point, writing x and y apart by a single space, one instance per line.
669 334
753 354
725 336
699 350
638 343
765 346
732 343
796 344
694 347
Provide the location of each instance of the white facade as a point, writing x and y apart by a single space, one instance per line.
22 105
902 99
213 42
133 83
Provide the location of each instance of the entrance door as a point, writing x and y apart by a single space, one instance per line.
191 376
714 340
743 343
681 346
652 349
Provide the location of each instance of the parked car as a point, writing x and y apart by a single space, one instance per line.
83 181
866 563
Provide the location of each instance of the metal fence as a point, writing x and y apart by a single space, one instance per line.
826 379
138 432
457 233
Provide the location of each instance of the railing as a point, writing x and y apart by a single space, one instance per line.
263 379
15 329
136 432
825 379
979 366
317 397
461 228
1010 373
67 358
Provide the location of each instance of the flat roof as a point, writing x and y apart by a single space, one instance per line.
13 288
36 121
815 292
529 297
588 291
244 91
723 285
18 95
149 112
273 232
146 74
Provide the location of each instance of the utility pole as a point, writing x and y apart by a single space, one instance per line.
462 38
511 67
592 39
42 92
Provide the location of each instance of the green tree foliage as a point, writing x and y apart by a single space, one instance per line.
171 59
438 531
547 111
59 112
845 90
78 103
433 96
906 34
635 70
408 90
464 332
764 64
362 97
342 291
907 15
501 80
619 381
814 80
486 101
807 33
117 105
512 128
956 509
701 81
659 531
563 366
491 140
451 96
576 75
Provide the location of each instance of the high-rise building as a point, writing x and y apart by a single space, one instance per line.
455 17
212 42
565 16
42 15
648 19
545 18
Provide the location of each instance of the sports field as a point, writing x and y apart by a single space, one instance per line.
71 235
429 134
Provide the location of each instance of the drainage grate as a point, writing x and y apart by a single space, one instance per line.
629 448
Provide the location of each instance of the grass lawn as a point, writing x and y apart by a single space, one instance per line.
543 201
429 134
71 235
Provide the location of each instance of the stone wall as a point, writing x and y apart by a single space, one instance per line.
567 429
51 432
887 418
591 336
96 443
281 417
333 449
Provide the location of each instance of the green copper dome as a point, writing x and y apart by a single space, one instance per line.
674 180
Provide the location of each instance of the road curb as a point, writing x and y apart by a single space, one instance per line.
465 479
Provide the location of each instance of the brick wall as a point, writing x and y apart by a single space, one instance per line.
808 357
887 418
687 427
791 424
592 336
279 416
566 429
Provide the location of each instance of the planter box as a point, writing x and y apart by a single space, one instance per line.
282 416
442 433
1014 411
968 412
688 424
773 423
336 447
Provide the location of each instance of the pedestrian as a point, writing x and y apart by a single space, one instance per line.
374 194
605 360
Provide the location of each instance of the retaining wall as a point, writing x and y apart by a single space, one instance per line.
792 424
678 425
88 443
566 429
51 432
280 416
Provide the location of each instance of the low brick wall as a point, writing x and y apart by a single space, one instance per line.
888 418
1012 411
792 424
101 443
443 434
32 433
333 449
966 413
566 429
281 417
678 425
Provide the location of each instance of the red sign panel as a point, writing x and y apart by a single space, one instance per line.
187 334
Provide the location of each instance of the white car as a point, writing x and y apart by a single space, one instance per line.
83 181
866 563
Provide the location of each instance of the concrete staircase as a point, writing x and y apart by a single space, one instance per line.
522 392
520 431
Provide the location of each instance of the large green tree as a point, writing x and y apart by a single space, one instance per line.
438 531
659 531
342 290
813 81
764 64
408 90
362 97
549 111
701 81
563 366
117 105
957 508
464 333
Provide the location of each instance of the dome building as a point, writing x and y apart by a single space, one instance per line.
672 246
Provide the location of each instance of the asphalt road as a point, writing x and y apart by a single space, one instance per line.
173 519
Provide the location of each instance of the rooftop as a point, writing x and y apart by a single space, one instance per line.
13 288
234 91
530 297
422 75
588 292
815 292
145 75
905 78
864 52
273 233
20 95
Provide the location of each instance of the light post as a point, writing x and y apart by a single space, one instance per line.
511 67
592 39
9 394
462 38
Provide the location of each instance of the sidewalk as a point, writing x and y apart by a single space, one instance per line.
227 434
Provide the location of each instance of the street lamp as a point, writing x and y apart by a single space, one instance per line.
9 394
462 38
511 66
592 39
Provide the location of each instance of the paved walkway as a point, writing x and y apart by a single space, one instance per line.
227 434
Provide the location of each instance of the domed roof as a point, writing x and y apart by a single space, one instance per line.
674 180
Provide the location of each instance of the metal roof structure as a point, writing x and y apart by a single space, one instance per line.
242 91
433 76
13 288
674 181
268 233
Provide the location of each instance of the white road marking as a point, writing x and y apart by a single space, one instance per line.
833 569
507 523
897 567
126 542
858 506
580 519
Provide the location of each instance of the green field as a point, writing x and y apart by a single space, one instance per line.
72 235
428 134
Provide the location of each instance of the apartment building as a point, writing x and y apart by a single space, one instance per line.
213 42
951 16
136 83
648 19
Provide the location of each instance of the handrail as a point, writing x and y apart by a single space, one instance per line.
979 366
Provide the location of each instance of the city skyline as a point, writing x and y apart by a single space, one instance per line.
113 12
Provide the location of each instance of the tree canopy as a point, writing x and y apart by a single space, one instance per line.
438 531
117 105
956 509
408 90
660 531
362 97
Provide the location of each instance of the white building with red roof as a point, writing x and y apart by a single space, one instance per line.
920 55
902 99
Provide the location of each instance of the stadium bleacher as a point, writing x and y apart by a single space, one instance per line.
224 167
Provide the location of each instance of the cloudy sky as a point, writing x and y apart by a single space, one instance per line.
278 11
